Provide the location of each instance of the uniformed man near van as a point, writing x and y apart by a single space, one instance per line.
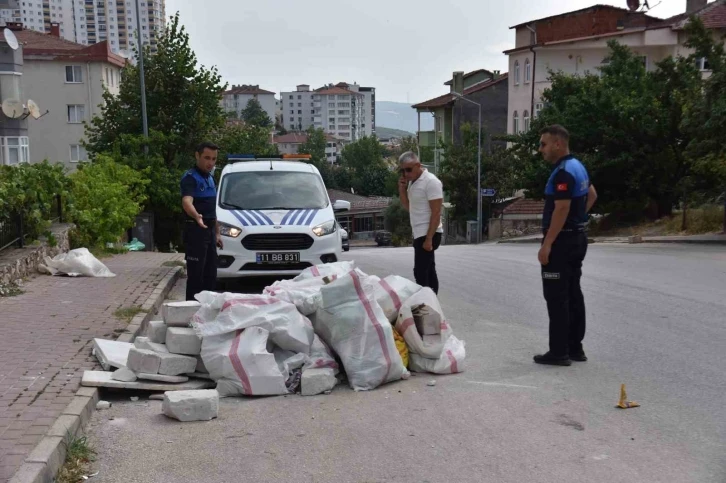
201 230
569 196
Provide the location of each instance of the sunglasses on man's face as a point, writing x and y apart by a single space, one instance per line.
406 170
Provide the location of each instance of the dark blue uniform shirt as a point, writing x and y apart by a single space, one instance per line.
200 186
568 181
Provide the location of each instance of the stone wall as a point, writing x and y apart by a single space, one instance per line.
18 263
512 228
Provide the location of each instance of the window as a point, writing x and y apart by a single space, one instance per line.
527 71
516 73
290 96
299 104
515 125
78 153
703 64
76 113
525 116
299 111
299 96
537 107
14 150
74 74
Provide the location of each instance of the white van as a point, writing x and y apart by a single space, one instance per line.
275 218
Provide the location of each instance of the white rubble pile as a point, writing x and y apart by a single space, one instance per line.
179 314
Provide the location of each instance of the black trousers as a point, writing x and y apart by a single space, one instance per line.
565 302
201 257
424 263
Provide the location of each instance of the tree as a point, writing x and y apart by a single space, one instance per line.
254 115
182 101
368 172
396 220
247 139
314 145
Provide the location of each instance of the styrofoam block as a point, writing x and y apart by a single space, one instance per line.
202 405
156 331
175 364
179 314
143 360
183 340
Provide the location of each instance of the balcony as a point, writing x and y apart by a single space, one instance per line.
428 138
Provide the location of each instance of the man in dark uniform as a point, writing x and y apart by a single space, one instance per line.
201 231
569 196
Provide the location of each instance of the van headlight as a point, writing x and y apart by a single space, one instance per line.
326 228
229 230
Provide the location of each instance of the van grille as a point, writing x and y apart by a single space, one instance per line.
283 241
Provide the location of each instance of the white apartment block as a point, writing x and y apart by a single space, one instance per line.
90 21
344 110
576 43
67 82
235 100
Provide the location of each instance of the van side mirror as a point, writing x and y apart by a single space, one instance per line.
341 205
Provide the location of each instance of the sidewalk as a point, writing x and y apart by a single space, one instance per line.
715 239
46 336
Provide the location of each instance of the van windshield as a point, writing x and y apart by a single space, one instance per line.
272 190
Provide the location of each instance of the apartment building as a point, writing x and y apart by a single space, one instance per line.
576 42
344 110
66 80
235 100
90 21
14 142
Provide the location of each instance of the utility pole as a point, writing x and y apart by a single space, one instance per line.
144 119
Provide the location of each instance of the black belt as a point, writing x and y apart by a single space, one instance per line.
572 231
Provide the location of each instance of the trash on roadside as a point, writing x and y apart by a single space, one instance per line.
623 403
75 263
431 383
200 405
103 405
135 246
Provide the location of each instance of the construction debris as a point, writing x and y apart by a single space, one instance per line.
318 381
103 405
179 314
183 340
124 375
145 343
111 353
202 405
162 378
142 360
156 331
103 379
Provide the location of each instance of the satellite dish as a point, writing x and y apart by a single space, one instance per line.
11 39
12 108
33 109
633 5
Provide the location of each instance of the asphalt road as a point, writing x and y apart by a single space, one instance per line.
656 322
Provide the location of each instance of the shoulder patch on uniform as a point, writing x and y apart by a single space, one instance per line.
562 187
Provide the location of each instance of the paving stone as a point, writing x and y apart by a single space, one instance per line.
156 331
185 406
179 314
124 375
145 343
183 340
162 378
175 364
103 379
317 381
142 360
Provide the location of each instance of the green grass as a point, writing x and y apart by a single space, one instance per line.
79 456
128 313
174 263
707 219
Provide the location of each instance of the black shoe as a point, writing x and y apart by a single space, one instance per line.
578 356
551 360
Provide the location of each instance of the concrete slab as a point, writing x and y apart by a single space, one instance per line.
317 381
142 360
186 406
183 340
124 375
179 314
103 379
111 353
146 343
175 364
162 378
156 331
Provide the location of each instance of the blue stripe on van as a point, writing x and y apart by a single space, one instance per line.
265 217
286 217
301 218
240 218
311 217
252 214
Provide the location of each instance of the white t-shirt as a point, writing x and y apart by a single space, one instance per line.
426 188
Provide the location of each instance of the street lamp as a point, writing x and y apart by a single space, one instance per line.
478 170
145 122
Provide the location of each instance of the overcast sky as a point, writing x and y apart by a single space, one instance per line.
406 49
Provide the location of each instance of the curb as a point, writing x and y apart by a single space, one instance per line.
48 456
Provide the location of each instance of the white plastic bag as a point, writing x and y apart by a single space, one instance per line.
304 294
241 364
228 312
325 270
430 346
354 325
451 360
75 263
321 356
392 291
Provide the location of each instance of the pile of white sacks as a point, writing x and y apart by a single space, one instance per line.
255 345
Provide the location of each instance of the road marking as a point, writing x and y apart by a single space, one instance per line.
484 383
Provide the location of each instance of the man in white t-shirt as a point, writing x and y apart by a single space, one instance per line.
422 195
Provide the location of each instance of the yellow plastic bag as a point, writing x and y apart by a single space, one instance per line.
401 346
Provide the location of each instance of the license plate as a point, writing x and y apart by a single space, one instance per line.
278 257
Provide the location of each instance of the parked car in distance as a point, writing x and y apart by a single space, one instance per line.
344 238
383 238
